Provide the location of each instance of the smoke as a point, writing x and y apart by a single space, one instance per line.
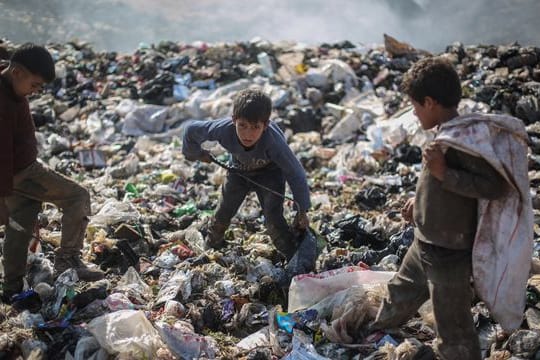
475 22
121 25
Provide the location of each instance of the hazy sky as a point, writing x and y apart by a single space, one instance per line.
123 24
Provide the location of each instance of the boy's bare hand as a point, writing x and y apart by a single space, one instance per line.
301 221
434 160
205 157
407 210
4 213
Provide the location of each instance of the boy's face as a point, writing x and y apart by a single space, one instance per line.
427 113
26 83
249 133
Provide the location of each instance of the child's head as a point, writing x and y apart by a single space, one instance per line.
433 86
30 67
4 53
251 114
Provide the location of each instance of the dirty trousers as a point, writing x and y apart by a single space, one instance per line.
443 275
32 186
235 190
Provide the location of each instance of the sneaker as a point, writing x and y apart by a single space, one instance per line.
64 262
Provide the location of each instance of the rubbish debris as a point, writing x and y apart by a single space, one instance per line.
114 123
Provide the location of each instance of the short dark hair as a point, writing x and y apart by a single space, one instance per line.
36 59
4 53
434 77
252 105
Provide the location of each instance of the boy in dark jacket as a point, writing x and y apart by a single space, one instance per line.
444 211
259 151
25 183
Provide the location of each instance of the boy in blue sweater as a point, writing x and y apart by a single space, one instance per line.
259 151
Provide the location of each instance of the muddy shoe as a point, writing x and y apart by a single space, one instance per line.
64 262
9 291
215 235
7 296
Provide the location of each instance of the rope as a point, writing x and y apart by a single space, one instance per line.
238 172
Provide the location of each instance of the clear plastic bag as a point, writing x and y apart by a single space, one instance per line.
88 348
309 289
134 287
114 212
178 283
126 332
183 342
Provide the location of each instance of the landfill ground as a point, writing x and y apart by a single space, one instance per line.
113 122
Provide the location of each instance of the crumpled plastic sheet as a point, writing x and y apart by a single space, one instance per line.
88 348
302 349
114 212
63 284
126 332
179 283
350 311
134 287
186 344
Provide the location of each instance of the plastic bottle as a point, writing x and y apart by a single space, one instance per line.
266 64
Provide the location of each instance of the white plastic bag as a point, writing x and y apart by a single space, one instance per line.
145 119
132 285
184 343
88 349
126 332
114 212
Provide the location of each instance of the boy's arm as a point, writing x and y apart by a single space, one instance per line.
195 133
478 179
294 174
6 157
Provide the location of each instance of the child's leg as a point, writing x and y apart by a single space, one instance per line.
233 193
24 211
407 291
272 206
42 184
449 273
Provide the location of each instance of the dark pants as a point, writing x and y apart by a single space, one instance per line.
235 190
31 187
443 275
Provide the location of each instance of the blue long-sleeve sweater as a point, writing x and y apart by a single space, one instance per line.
271 148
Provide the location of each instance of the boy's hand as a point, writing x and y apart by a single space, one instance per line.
407 210
301 221
205 157
434 159
4 213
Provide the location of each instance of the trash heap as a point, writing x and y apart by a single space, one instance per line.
113 122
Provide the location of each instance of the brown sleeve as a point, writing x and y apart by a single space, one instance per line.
6 156
476 178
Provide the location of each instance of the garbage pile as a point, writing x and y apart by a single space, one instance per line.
114 122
